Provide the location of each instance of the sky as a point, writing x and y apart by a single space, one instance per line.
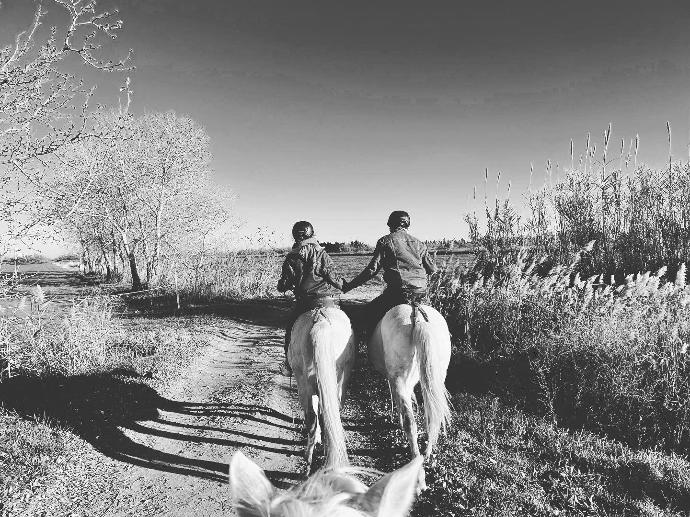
340 112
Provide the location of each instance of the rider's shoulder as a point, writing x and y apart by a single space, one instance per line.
385 240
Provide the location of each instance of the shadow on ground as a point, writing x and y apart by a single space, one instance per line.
98 407
267 312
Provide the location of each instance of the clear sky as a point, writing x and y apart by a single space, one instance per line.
339 112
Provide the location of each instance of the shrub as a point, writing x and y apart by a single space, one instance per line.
40 341
588 354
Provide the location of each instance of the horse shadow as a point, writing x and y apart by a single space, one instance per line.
99 408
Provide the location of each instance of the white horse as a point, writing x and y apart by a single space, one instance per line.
411 345
329 492
321 355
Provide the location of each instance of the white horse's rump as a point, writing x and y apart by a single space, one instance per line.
321 354
409 346
332 493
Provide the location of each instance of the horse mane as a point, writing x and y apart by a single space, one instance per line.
328 492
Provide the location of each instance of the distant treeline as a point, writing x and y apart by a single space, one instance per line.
344 247
360 247
447 244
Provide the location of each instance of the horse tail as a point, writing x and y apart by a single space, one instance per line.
322 334
437 412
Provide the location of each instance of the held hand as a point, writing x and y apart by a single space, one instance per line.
346 286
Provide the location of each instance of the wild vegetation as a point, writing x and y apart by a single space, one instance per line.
138 198
571 331
575 317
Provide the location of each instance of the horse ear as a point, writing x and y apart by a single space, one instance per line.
251 490
393 494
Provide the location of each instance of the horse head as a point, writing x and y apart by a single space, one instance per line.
331 492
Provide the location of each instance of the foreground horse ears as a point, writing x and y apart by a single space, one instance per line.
390 496
394 493
251 490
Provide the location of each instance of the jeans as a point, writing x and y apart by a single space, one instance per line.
377 308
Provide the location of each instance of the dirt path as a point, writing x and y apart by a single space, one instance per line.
166 452
231 398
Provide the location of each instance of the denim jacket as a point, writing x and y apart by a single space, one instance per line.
405 261
309 272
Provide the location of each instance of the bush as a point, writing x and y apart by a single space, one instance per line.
588 354
40 341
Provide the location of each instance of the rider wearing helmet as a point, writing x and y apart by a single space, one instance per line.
308 271
405 261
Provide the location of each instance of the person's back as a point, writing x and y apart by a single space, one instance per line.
309 273
405 261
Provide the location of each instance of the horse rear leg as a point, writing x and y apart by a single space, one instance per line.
313 430
391 414
403 396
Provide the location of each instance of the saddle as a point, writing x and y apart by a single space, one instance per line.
316 305
325 302
404 297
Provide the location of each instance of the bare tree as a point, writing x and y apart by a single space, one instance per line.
42 106
146 182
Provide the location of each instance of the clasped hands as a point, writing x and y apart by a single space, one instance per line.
347 286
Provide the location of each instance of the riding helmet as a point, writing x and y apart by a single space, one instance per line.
399 219
302 230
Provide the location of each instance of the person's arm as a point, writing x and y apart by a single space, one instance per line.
288 276
370 271
428 262
328 271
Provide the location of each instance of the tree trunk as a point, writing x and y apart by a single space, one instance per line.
106 260
129 251
136 281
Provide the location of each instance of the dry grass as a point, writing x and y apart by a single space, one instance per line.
224 276
500 461
80 368
588 354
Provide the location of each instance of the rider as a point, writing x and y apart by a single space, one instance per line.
405 261
309 272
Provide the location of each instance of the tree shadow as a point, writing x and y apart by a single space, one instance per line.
99 408
266 312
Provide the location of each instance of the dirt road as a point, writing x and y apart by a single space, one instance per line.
231 398
166 451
